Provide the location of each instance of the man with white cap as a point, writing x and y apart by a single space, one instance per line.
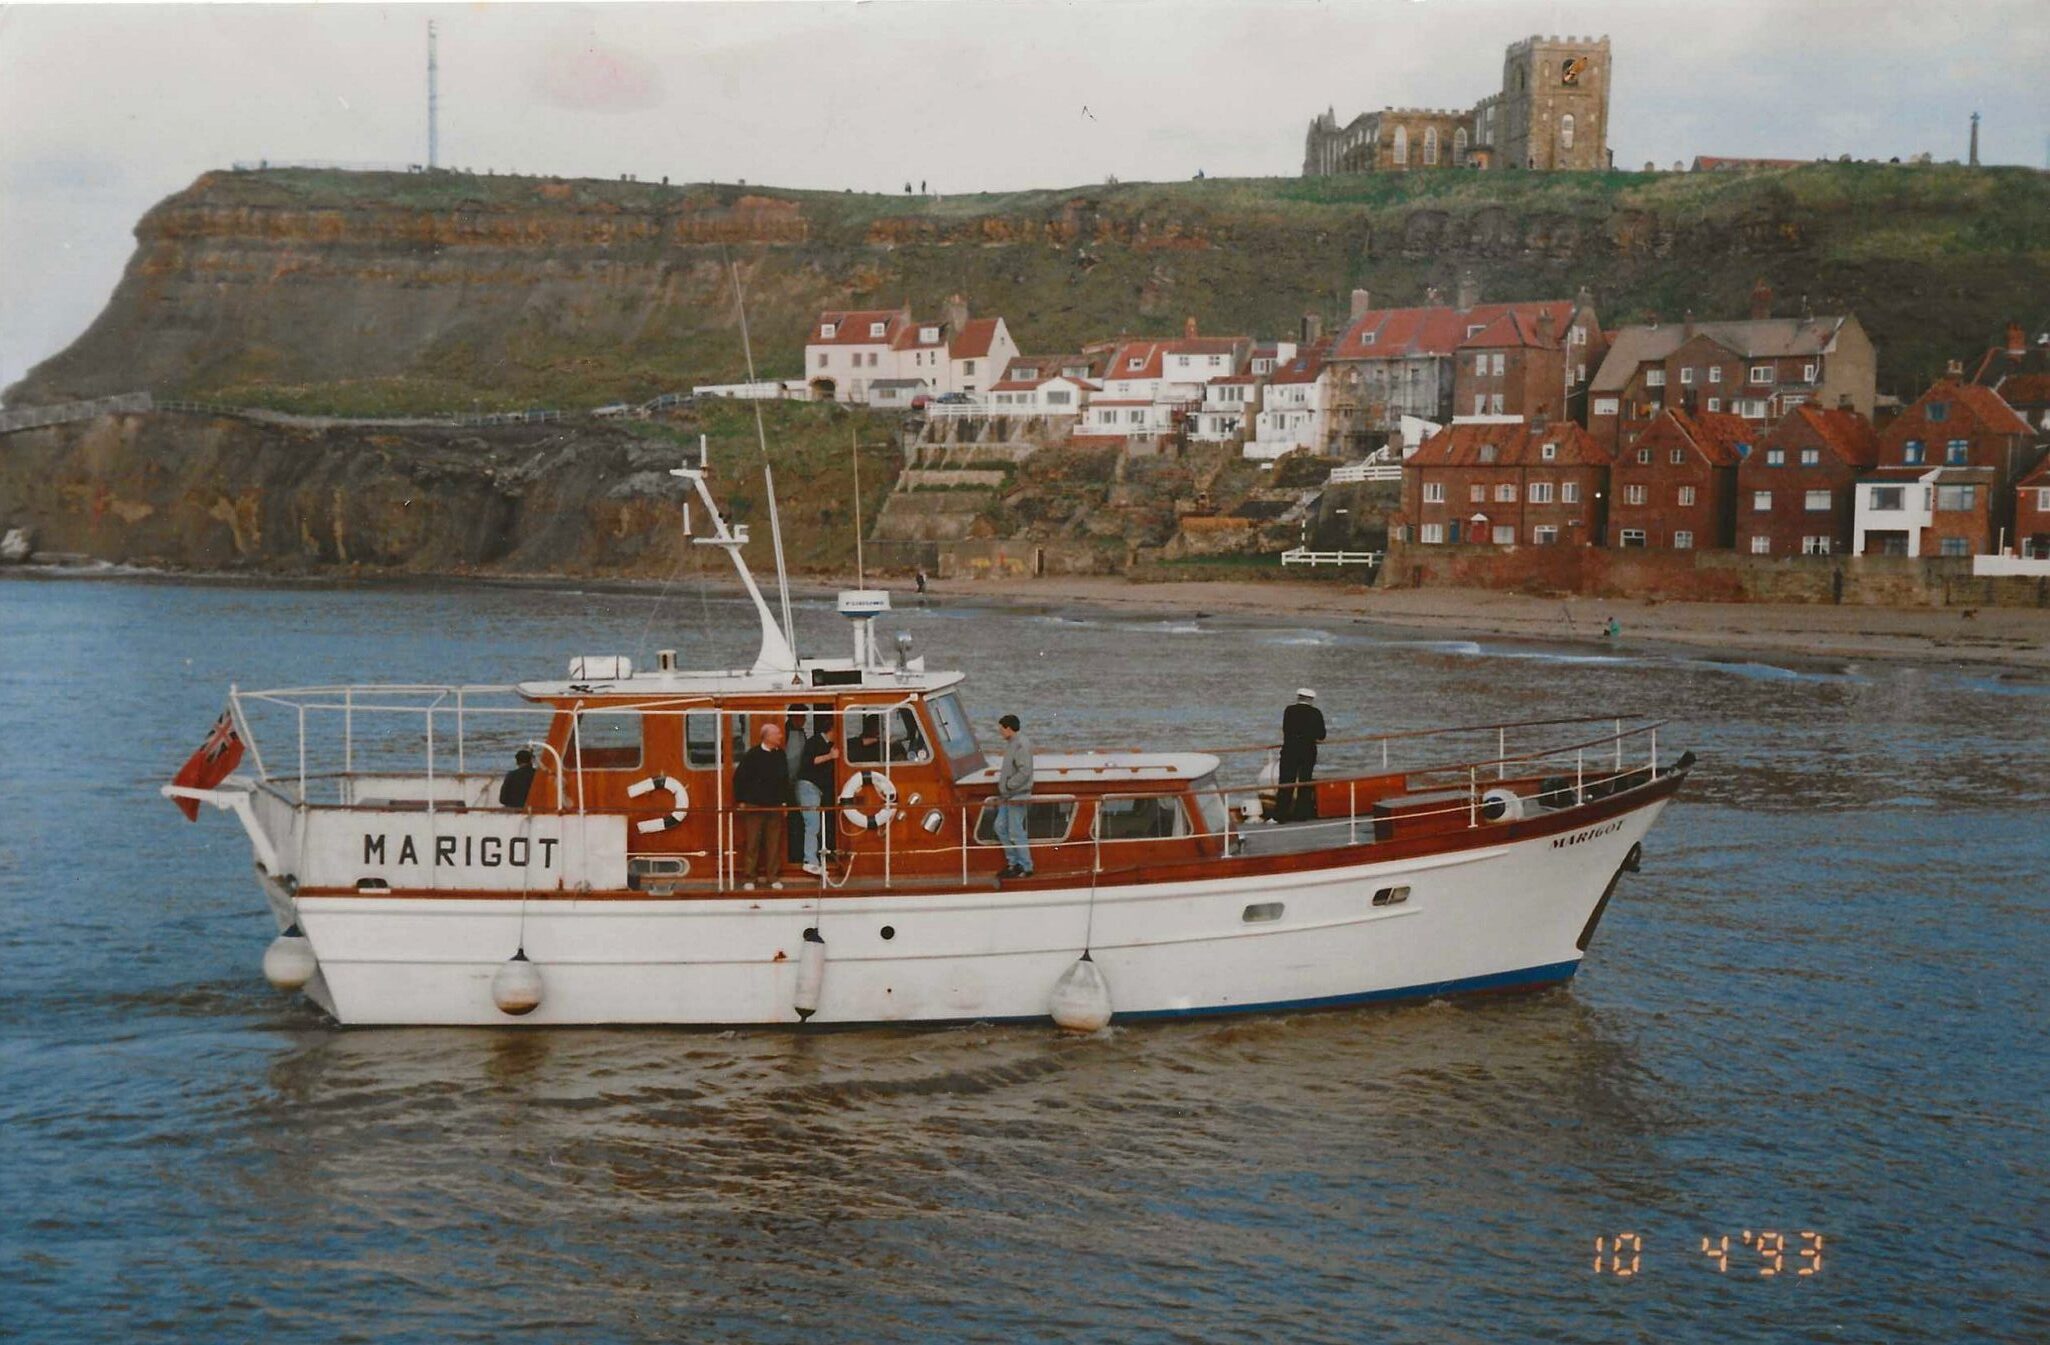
1302 728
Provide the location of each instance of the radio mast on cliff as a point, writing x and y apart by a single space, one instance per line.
433 102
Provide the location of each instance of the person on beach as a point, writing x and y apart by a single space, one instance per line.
815 786
761 790
1014 787
1302 728
921 580
512 792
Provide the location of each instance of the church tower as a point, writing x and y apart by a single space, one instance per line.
1555 104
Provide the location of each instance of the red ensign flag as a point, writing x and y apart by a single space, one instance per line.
207 767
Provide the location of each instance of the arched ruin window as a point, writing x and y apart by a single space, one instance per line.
1402 145
1431 145
1566 131
1459 146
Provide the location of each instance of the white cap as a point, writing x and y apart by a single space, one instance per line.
1306 693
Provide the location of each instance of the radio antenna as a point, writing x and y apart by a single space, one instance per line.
854 452
768 471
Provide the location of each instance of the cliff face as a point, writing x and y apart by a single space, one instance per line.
350 292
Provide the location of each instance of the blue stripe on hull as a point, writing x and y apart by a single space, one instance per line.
1528 978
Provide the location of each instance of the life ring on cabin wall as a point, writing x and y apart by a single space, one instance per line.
674 817
883 813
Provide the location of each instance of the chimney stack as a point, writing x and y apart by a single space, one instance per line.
1362 304
1761 301
1189 327
1687 324
1954 370
1432 298
2015 345
1313 329
1468 295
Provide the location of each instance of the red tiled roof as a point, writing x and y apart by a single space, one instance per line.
1849 435
1396 332
1516 443
1511 329
1305 366
1718 433
851 327
974 339
2025 389
1148 354
1986 406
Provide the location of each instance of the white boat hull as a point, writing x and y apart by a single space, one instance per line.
1495 917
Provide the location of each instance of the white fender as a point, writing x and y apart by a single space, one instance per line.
516 987
885 790
289 963
811 974
677 791
1081 998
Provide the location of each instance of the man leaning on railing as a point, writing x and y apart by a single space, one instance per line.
1014 787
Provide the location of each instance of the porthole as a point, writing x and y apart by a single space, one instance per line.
1391 896
1261 912
889 931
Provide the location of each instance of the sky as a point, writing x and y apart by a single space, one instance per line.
107 109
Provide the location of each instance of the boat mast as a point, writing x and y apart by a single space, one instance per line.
776 654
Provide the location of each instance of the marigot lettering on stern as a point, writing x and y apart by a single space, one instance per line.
489 852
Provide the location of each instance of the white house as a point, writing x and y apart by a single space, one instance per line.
1890 515
849 350
978 352
1151 386
1043 385
1227 409
1295 408
848 353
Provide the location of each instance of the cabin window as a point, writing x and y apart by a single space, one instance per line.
701 738
1148 817
1210 807
957 735
1262 912
1045 820
608 742
1391 896
864 737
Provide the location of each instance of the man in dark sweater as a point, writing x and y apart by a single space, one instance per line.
761 789
1302 728
512 792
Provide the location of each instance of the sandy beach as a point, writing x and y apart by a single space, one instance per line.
2010 637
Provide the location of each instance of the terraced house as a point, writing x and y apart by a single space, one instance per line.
1676 485
1945 481
1796 489
1505 483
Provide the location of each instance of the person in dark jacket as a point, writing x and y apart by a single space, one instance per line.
761 790
815 786
512 793
1302 728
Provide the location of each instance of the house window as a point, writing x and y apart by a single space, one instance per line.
1480 403
871 359
1495 403
1811 457
1504 535
1818 501
1480 364
1807 373
1136 417
1633 494
1715 373
1678 457
1476 494
1815 546
1911 453
1954 546
1605 406
1955 498
1505 494
1633 537
1402 146
1761 501
1431 146
1434 492
1566 131
1715 403
822 359
1432 533
1775 457
1644 457
875 329
1686 375
1887 499
1548 451
1683 540
1135 363
1958 452
1686 496
1761 545
1498 364
1654 378
2043 500
968 366
1058 398
1761 373
1487 452
1752 408
1540 492
1545 534
1569 492
1937 411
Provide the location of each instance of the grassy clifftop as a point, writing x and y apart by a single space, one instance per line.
325 290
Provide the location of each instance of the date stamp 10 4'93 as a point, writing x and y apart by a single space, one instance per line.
1765 1253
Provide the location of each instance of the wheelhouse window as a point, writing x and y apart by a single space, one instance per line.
1045 820
866 742
701 739
608 742
1148 817
1210 809
957 733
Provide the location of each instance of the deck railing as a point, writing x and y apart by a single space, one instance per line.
445 723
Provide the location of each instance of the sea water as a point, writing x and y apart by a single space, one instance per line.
1814 1026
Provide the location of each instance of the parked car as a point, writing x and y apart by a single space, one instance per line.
955 399
921 401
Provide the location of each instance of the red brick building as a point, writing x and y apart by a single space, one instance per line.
1796 487
1676 485
1538 483
1759 369
1946 477
1515 366
2032 513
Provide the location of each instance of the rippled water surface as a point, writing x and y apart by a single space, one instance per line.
1820 1007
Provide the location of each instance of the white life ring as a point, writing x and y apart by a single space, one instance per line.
882 816
671 820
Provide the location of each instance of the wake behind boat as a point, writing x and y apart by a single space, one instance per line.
1471 859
